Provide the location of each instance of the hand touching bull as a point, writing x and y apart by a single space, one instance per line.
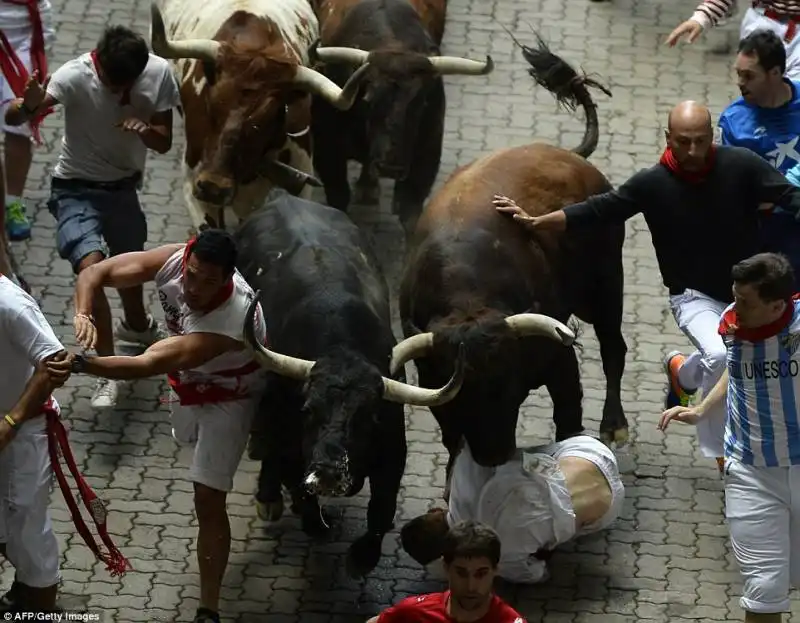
555 221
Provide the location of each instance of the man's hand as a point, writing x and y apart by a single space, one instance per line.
555 221
34 93
85 331
687 415
55 371
689 29
137 126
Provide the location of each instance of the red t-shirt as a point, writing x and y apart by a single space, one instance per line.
432 608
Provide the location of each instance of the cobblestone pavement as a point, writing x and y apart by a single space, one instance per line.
667 559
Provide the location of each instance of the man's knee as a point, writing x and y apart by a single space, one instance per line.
767 592
209 503
715 359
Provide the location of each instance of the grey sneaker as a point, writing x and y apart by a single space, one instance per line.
148 337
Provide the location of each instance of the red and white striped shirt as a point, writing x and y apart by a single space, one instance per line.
711 12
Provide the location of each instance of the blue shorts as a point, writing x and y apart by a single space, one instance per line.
96 218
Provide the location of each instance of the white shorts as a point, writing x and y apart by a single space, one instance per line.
219 434
26 476
762 506
754 19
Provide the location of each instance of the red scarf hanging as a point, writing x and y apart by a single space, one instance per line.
224 292
58 444
729 325
125 100
14 69
693 177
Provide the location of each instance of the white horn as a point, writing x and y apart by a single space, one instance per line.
350 56
457 66
539 324
395 391
410 348
284 365
341 98
204 49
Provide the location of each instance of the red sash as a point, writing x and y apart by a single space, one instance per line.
14 69
58 445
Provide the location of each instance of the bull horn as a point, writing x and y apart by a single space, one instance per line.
539 324
292 367
457 66
395 391
410 348
349 56
286 176
204 49
341 98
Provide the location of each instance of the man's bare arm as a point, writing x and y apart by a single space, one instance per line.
159 134
17 114
717 394
121 271
39 388
182 352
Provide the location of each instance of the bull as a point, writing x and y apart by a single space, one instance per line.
474 276
245 90
330 417
395 128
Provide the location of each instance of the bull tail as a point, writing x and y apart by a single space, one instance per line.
570 89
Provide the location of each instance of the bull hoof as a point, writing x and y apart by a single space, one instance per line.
271 511
366 195
619 437
363 555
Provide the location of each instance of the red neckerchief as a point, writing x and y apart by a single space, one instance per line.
729 325
125 100
58 444
14 69
693 177
224 292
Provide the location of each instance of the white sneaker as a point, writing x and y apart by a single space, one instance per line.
148 337
105 394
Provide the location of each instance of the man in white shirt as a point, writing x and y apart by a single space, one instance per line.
544 496
26 31
118 102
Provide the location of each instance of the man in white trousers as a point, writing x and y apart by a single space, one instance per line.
780 16
761 332
26 32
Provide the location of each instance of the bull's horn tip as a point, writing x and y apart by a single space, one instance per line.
567 337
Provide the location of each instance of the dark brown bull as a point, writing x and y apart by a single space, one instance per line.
472 275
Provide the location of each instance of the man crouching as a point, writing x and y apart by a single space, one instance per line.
543 497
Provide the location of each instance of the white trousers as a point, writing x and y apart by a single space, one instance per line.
754 19
762 506
698 316
219 434
26 476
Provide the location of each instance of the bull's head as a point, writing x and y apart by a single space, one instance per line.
499 371
397 86
344 396
249 91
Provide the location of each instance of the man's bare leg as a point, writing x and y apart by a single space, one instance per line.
18 156
213 543
133 307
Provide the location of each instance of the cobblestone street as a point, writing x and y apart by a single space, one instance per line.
667 558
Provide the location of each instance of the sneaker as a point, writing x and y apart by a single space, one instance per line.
105 394
204 615
676 394
146 338
17 225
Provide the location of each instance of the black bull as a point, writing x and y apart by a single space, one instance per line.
396 126
329 417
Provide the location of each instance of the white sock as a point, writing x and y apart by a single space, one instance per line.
690 374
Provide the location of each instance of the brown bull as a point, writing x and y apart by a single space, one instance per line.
246 98
472 275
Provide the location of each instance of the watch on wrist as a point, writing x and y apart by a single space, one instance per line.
24 108
79 365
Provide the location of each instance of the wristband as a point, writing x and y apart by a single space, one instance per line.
88 317
10 420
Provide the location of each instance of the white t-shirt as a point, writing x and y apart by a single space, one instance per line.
92 148
16 16
25 339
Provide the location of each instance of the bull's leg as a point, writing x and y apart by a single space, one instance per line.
407 205
332 172
266 442
564 387
367 190
384 484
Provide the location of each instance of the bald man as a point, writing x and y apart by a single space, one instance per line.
701 203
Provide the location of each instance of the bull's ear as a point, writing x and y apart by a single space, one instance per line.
210 72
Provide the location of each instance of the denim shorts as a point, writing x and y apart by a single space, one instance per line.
96 218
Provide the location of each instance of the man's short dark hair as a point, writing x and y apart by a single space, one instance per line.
217 247
767 46
471 539
123 55
771 274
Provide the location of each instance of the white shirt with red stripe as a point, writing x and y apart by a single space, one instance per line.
234 375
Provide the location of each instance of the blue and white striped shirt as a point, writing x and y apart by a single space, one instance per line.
762 426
